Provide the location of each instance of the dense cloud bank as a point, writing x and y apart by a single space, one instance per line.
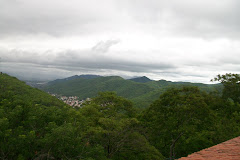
176 40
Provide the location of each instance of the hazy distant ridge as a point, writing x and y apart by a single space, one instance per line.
87 76
143 79
142 91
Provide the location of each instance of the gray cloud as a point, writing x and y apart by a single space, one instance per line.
48 66
207 19
104 46
178 40
204 18
56 17
72 60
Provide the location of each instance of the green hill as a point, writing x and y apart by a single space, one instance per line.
143 79
35 125
27 116
16 91
90 87
142 94
88 76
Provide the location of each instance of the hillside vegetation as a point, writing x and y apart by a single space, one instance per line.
142 91
183 120
15 90
35 125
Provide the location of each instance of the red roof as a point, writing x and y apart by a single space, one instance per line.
229 150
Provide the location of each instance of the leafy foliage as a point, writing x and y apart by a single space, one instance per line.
35 125
231 83
186 120
183 119
176 115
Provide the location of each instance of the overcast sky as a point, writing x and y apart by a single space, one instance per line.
177 40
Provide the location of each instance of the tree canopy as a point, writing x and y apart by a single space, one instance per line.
183 120
231 83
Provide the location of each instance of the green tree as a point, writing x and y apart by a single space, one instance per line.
175 118
112 124
231 83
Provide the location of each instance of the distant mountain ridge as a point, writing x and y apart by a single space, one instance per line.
143 79
85 76
142 91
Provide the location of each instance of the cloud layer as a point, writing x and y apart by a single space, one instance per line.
175 40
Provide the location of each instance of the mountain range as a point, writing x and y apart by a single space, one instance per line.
142 91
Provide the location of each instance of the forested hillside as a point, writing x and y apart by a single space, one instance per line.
143 79
183 120
35 125
141 91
